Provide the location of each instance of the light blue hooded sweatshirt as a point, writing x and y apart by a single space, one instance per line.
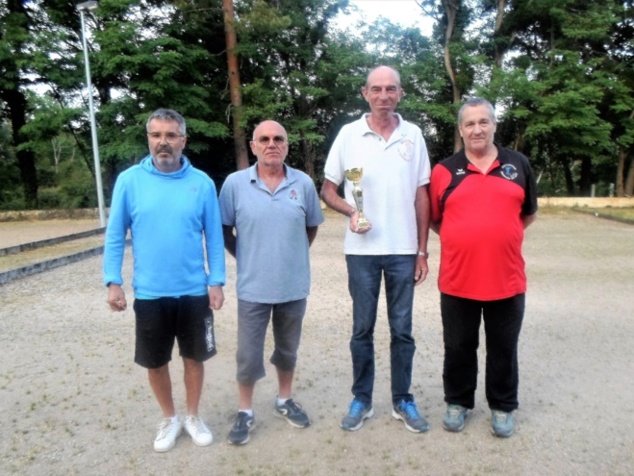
173 219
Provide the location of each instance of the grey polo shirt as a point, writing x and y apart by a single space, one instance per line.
272 245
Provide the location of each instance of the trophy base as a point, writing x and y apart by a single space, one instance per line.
363 223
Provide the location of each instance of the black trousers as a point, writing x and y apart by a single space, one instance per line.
461 325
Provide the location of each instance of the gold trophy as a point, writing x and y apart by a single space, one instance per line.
355 175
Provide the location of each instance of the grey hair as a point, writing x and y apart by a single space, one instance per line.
168 115
476 101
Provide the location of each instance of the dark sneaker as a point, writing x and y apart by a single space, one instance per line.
454 418
408 412
502 423
293 413
242 426
356 414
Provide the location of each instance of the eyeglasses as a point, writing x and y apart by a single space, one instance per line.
264 140
170 137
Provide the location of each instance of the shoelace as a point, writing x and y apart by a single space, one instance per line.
356 408
197 424
454 411
411 411
292 406
241 420
500 417
164 428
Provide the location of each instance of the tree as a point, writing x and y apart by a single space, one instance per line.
15 31
453 17
239 137
9 172
287 70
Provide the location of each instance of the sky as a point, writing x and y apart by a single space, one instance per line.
404 12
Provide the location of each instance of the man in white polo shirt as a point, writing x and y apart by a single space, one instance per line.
396 171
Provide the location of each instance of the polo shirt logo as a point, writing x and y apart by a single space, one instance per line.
293 194
460 172
509 172
406 150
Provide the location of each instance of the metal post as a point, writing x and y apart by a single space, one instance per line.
83 7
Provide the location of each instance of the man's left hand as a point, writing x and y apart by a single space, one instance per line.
421 271
216 297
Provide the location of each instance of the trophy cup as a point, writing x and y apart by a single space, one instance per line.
355 175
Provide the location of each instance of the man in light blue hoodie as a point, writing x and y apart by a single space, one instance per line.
171 210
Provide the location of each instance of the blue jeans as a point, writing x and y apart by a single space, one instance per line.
364 284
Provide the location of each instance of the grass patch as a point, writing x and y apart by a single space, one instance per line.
625 215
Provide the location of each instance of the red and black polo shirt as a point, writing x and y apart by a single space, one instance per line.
481 230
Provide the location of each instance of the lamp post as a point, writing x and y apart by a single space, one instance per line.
82 8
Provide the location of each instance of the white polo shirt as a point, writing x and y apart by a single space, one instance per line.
392 172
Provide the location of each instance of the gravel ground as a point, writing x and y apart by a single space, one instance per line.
74 403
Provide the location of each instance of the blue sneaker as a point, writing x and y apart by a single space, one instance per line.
502 423
356 414
454 417
408 413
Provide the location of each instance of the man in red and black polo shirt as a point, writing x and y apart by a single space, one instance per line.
482 199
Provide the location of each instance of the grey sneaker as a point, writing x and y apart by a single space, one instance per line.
454 417
356 414
293 413
502 423
168 431
408 413
200 433
242 426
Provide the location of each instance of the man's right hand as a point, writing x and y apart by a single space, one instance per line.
354 224
116 298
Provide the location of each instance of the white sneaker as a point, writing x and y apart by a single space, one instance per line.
197 429
168 430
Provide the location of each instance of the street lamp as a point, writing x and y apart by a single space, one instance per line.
82 8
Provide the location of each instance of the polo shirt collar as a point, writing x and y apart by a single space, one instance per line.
398 134
289 173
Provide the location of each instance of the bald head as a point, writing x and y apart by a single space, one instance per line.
268 124
270 144
383 71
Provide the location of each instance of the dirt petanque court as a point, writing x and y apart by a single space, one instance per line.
72 402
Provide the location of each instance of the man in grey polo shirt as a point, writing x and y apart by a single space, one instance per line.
275 212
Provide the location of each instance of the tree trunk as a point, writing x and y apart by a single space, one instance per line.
570 183
451 10
499 20
309 156
629 181
56 146
621 180
15 102
239 137
620 173
585 180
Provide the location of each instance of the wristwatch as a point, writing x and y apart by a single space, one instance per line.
424 254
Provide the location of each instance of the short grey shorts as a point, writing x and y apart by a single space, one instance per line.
253 320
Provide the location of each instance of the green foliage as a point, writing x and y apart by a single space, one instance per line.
11 196
560 72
